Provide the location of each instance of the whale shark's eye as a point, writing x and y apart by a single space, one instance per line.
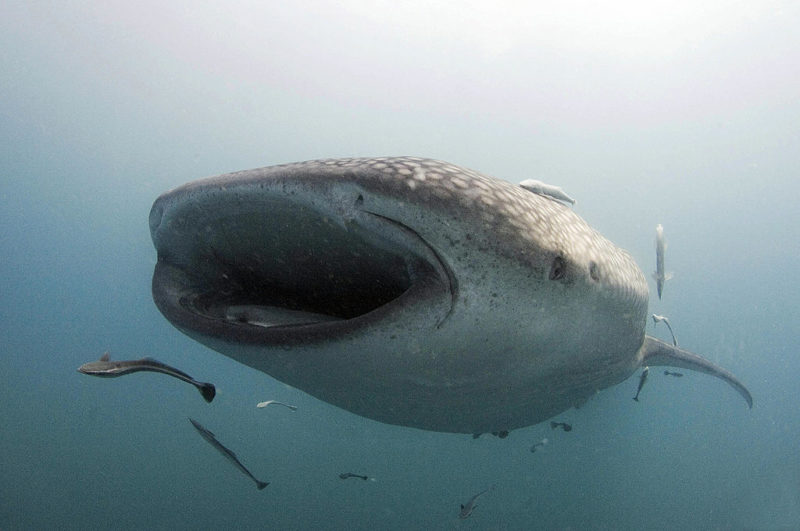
558 269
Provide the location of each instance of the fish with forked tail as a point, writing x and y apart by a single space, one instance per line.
209 436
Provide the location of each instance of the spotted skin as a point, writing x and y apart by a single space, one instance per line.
525 220
505 307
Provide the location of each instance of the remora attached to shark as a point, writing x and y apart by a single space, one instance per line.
410 291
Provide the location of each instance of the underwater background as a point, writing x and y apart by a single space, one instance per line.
675 113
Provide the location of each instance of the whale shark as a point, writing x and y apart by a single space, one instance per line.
410 291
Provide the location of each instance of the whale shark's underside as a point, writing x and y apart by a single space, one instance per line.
407 290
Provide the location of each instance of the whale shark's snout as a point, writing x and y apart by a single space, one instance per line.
406 290
282 263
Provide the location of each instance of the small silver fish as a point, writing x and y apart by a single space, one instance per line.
549 190
467 508
105 368
275 402
661 246
538 444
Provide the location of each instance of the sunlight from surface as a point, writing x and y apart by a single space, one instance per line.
628 28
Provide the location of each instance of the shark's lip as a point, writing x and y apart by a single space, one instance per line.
273 271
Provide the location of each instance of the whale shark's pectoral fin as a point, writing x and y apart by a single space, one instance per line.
657 352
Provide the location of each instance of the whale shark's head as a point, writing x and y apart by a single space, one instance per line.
406 290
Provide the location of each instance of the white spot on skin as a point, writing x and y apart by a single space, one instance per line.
461 183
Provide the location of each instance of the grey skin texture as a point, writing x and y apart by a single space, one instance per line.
416 292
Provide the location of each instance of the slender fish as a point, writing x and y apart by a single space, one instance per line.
538 187
111 369
275 402
642 380
230 456
538 444
467 508
661 319
659 274
347 475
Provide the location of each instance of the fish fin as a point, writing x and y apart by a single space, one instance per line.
262 484
105 356
208 391
462 506
657 352
667 276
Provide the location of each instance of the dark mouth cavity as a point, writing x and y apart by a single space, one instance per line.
287 265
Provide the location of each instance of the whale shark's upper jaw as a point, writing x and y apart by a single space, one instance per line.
259 264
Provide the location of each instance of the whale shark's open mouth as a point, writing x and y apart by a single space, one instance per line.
269 269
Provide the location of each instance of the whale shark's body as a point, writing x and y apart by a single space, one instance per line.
410 291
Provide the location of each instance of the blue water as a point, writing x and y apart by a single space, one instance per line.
689 120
